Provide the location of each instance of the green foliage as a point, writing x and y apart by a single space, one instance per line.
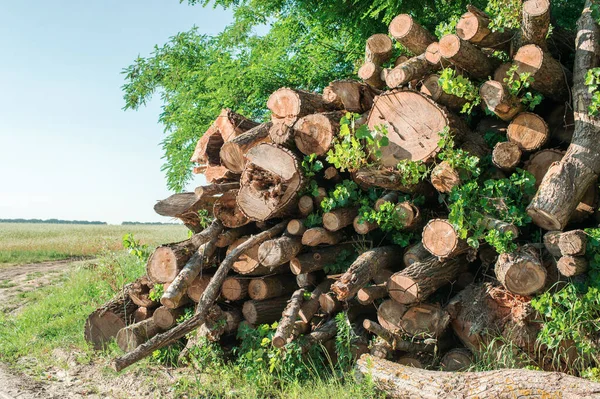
156 292
347 193
492 137
343 260
413 172
592 81
311 165
386 217
517 85
343 341
460 86
457 158
595 8
447 27
502 199
168 355
313 220
205 218
136 248
505 14
355 145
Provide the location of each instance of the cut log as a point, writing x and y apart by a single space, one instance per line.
329 303
539 163
350 95
421 320
444 177
501 72
132 336
208 147
220 174
390 180
231 124
229 236
467 57
166 318
521 272
498 100
410 34
416 360
363 269
185 207
278 251
263 312
215 189
549 77
399 381
506 156
572 242
270 182
415 253
288 319
318 235
571 266
306 205
271 287
529 131
457 359
296 227
287 105
414 68
421 279
140 291
535 24
395 341
370 294
103 324
314 133
362 226
206 301
332 174
198 286
282 133
379 49
166 261
441 239
248 263
142 313
305 280
339 218
233 152
317 259
175 295
433 56
310 307
235 288
370 73
391 196
474 27
432 88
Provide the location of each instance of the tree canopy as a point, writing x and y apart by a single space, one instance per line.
308 44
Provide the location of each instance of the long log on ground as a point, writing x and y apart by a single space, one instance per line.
350 95
288 318
422 320
413 36
140 292
529 131
549 77
314 133
132 336
466 56
208 298
561 191
319 235
270 182
473 26
363 269
421 279
267 311
414 68
521 272
573 243
233 152
379 48
271 287
198 286
498 100
506 156
441 239
278 251
433 89
399 382
173 296
231 124
571 266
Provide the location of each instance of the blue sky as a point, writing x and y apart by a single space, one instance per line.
67 150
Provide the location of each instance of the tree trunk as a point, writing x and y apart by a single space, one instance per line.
441 240
535 24
363 226
415 253
350 95
474 27
410 34
432 88
264 312
549 77
166 318
498 100
288 319
457 359
235 288
317 259
296 227
231 124
368 295
421 320
198 286
271 287
379 49
233 152
270 182
571 266
371 73
573 243
132 336
140 291
521 272
363 269
506 156
104 323
419 280
414 68
208 147
175 295
339 218
399 381
529 131
314 133
206 301
278 251
318 235
467 57
444 177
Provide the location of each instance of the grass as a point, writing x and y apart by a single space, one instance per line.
22 243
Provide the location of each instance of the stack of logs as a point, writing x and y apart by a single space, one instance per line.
431 304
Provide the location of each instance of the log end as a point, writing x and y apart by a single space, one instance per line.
449 46
162 265
401 26
403 289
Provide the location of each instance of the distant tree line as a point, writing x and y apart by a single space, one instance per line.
52 221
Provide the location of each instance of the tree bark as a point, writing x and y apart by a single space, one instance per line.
220 174
310 307
549 77
571 266
415 253
339 218
229 236
432 88
305 280
263 312
521 272
474 27
278 251
185 207
198 286
444 177
414 68
399 381
270 182
529 131
535 24
317 259
410 34
318 235
389 179
271 287
396 342
208 298
467 57
368 295
314 133
231 124
288 104
350 95
391 196
288 319
498 100
421 279
441 240
235 288
421 320
363 269
166 318
379 49
233 152
370 73
506 156
130 337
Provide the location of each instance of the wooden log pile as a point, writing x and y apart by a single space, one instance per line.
431 304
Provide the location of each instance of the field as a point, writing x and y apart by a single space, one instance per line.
22 243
